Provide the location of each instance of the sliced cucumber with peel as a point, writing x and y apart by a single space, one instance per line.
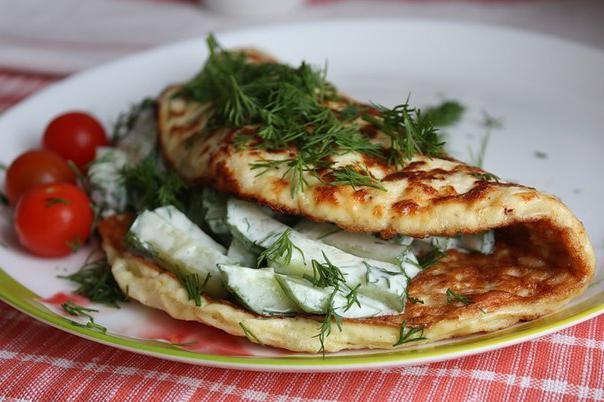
258 290
178 245
315 300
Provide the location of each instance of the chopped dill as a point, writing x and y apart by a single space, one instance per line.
80 311
249 334
453 297
149 187
50 201
446 114
330 315
355 177
96 282
74 244
430 258
409 133
282 248
194 286
409 334
325 274
486 177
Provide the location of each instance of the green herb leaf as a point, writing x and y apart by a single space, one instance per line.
409 334
97 283
282 249
54 201
79 311
453 297
325 274
194 286
326 324
409 133
446 114
149 187
355 177
249 334
430 258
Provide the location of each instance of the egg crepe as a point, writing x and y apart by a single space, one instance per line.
542 259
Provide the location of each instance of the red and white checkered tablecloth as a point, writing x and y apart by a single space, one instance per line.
38 362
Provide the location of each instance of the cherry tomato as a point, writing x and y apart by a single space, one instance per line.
75 136
34 168
53 220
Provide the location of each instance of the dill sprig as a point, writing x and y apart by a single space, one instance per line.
326 324
80 311
409 133
194 286
453 297
149 187
355 177
446 114
431 258
97 283
249 334
282 248
409 334
325 274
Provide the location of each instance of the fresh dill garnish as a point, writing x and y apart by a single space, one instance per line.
486 177
431 258
194 286
446 114
411 299
285 107
96 282
149 187
249 334
453 297
409 133
330 315
409 334
350 112
282 249
80 311
352 297
355 177
54 201
489 123
74 244
325 274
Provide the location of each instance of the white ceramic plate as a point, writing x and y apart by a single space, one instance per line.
548 93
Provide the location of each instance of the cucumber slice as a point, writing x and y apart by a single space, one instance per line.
181 222
483 243
258 290
363 244
214 204
180 246
239 253
106 188
250 223
316 300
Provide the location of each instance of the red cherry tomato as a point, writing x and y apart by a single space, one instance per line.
34 168
75 136
53 220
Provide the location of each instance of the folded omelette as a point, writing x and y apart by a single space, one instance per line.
284 138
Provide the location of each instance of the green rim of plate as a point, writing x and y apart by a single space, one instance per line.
23 299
